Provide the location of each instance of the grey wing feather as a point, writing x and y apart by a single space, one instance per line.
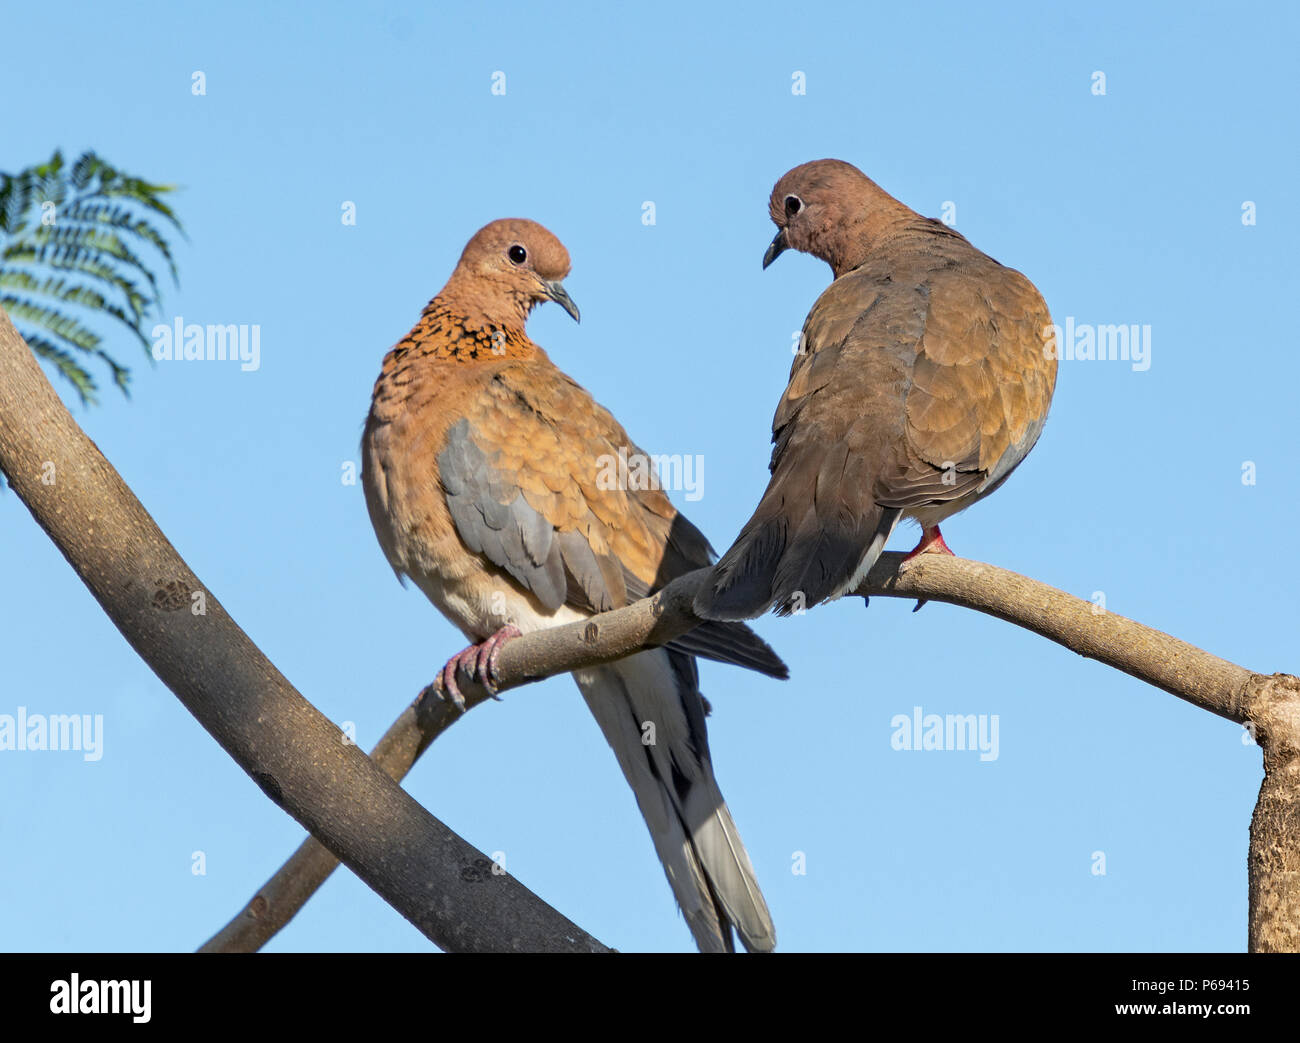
493 519
590 586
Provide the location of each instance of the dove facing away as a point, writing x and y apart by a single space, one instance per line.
483 474
924 376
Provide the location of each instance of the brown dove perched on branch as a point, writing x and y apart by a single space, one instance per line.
481 463
922 380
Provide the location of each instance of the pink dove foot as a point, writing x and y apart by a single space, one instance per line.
479 662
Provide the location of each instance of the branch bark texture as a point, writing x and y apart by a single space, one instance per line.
1268 704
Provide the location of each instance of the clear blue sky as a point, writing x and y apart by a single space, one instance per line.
1124 208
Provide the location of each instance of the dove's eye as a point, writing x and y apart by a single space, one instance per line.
517 254
793 204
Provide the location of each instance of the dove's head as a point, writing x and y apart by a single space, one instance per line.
507 269
830 209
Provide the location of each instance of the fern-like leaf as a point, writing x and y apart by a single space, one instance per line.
78 243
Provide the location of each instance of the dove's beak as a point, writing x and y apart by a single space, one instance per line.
778 246
556 291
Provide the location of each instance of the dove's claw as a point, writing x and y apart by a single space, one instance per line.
479 662
488 663
450 689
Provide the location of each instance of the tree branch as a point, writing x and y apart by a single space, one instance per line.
435 879
532 657
1268 705
279 899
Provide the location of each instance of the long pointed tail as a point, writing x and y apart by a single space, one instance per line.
652 714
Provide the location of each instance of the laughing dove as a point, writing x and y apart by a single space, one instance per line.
922 380
482 469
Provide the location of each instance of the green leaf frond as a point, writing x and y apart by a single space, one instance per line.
81 243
